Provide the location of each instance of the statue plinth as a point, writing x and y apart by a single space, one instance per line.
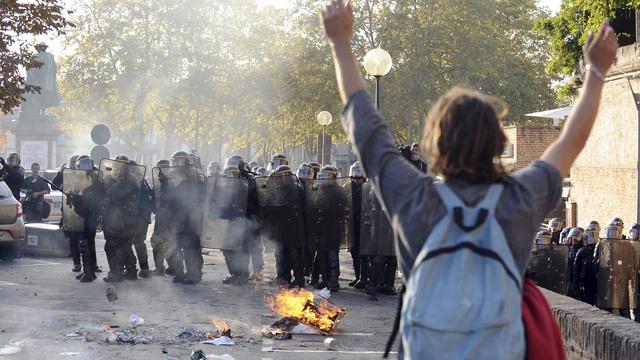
36 140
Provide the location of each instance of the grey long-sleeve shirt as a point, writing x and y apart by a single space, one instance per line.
412 201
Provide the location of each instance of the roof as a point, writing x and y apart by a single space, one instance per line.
559 113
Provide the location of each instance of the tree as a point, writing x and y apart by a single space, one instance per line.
20 20
567 31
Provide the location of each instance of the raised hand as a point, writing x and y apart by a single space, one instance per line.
600 51
337 18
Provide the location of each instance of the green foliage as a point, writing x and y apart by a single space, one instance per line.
567 31
18 21
233 73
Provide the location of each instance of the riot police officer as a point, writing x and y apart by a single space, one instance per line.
575 243
316 169
162 230
122 185
555 226
184 202
278 160
585 267
144 210
12 174
88 205
357 179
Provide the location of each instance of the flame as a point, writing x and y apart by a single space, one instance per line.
300 304
220 325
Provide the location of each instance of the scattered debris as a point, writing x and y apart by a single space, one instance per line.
192 335
331 344
69 353
112 295
89 337
220 357
198 355
324 293
287 323
276 334
136 320
75 334
303 329
12 348
221 341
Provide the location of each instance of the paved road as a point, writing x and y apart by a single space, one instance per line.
41 302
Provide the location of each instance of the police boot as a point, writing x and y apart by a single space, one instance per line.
114 261
321 260
356 268
376 274
390 276
315 269
364 271
333 263
297 266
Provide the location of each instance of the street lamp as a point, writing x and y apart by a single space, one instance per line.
324 118
377 63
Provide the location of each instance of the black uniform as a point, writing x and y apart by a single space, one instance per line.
89 207
573 251
72 236
13 176
354 248
145 207
585 275
34 205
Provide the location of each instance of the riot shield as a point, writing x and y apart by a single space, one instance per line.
548 267
376 233
122 184
328 213
280 210
176 192
618 274
225 223
74 183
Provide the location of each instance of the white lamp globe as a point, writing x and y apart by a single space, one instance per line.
324 118
377 62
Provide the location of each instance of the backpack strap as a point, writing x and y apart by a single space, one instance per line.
456 207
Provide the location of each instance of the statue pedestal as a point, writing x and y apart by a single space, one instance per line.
36 140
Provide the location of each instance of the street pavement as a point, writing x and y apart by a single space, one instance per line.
41 303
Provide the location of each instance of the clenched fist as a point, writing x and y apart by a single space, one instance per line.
337 18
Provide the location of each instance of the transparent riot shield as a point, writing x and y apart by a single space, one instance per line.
376 233
548 267
176 192
225 223
328 213
74 183
618 274
280 210
122 184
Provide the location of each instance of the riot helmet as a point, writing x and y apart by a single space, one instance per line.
618 222
328 172
163 163
316 169
278 159
282 170
613 231
73 162
305 172
633 232
575 236
13 159
253 165
592 234
555 225
543 238
122 158
596 226
355 171
180 158
261 171
84 162
231 171
213 169
235 160
564 234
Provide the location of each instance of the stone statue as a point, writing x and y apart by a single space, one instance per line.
44 77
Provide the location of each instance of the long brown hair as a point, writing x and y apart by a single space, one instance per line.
463 137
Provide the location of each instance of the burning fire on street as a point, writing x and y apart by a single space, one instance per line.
308 309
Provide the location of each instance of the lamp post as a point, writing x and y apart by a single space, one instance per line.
377 63
324 118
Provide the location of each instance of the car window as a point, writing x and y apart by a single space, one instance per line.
5 192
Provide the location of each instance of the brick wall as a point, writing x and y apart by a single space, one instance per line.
528 143
604 176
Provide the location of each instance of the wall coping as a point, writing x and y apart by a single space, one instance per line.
591 333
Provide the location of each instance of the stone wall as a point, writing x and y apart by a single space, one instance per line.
528 143
593 334
604 176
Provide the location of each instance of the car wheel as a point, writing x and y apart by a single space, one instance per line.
8 253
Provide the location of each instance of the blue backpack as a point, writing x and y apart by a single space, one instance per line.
463 296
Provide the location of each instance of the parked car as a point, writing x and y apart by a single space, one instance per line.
54 198
11 224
